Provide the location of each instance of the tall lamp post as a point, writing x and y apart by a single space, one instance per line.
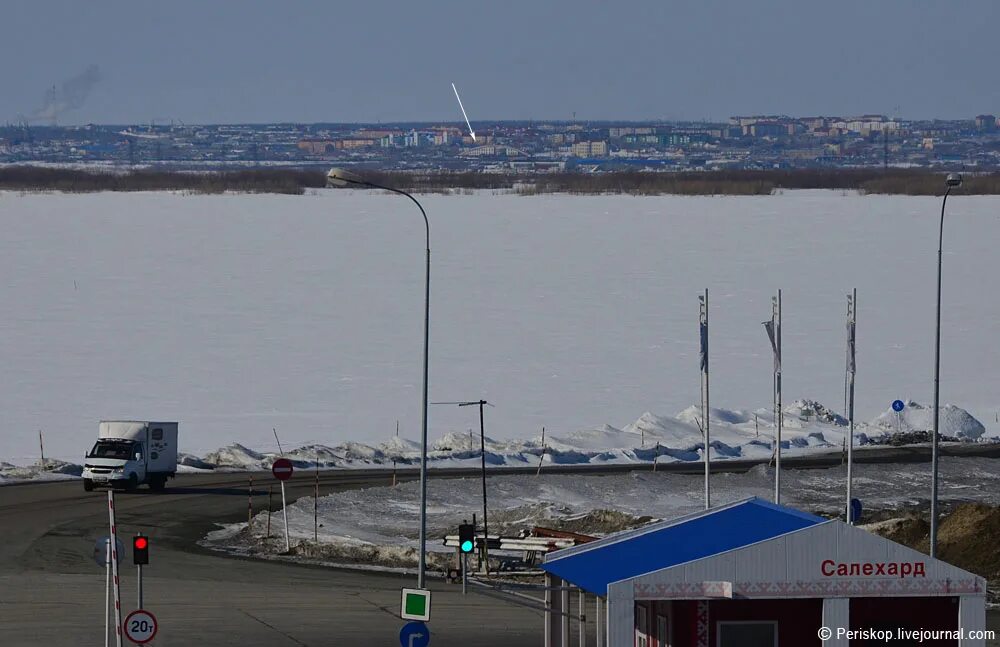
952 181
482 447
340 177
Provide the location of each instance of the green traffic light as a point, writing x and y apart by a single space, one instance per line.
466 546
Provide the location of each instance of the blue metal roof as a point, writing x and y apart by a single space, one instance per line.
661 545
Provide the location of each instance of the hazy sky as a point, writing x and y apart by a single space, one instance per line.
208 61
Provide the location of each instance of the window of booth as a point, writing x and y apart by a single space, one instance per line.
641 627
747 634
662 631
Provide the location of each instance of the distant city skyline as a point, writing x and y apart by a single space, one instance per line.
117 62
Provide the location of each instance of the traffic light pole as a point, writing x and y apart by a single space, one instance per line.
140 586
465 573
486 532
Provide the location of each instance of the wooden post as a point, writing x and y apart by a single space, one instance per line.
541 457
316 504
41 448
250 504
270 492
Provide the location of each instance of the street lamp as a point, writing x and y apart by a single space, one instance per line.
340 177
952 181
482 446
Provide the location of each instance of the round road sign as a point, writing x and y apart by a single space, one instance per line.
897 405
101 550
140 626
414 634
282 469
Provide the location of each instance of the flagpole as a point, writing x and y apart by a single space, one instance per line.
852 304
781 417
771 327
705 408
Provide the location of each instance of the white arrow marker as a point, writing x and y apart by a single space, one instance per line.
472 133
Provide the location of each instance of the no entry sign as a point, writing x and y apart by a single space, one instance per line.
282 469
140 626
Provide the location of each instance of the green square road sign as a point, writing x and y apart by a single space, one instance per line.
416 605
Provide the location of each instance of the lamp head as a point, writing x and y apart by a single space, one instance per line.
954 179
340 177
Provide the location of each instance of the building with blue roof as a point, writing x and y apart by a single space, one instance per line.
756 574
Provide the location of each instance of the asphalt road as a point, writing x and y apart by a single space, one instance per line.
52 592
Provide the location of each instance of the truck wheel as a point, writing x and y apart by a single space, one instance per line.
133 482
88 485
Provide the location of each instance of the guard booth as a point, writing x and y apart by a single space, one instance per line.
756 574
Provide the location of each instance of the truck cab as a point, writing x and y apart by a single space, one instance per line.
129 453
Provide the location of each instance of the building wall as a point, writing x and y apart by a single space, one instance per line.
939 613
798 620
805 564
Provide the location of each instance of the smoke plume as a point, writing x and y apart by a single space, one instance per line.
70 96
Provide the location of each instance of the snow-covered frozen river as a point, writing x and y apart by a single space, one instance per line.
235 314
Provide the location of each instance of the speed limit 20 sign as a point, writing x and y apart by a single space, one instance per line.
140 626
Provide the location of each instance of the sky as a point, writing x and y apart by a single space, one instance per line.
209 61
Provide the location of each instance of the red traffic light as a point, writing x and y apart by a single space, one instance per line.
140 550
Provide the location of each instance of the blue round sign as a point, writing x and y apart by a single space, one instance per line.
414 634
897 406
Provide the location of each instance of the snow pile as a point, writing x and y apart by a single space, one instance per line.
239 457
397 447
596 504
808 426
952 421
193 463
52 470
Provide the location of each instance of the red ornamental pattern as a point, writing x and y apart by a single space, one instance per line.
701 634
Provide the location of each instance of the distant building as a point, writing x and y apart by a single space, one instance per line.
622 131
347 144
769 129
316 146
492 150
750 121
866 124
376 134
986 123
590 149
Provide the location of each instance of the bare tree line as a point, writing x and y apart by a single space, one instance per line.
297 181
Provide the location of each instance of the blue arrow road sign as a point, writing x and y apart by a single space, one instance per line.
856 510
897 406
414 634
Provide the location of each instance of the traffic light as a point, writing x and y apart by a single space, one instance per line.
140 550
466 537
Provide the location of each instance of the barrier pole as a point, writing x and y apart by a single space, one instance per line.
114 568
107 592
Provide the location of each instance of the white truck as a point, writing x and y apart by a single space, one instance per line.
129 453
